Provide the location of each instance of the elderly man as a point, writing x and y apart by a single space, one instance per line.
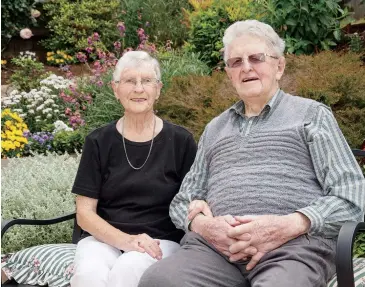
271 185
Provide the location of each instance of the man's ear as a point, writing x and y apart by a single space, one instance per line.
281 68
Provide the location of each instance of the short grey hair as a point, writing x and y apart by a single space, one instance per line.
256 29
136 59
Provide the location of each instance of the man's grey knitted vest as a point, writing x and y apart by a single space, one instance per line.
269 171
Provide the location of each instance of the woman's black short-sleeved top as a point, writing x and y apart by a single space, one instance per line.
136 201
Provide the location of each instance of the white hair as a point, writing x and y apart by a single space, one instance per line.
256 29
136 59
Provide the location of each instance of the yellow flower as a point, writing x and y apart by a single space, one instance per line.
57 61
8 123
65 56
61 61
16 144
3 62
58 52
18 155
49 54
18 133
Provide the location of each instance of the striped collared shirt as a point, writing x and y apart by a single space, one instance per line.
335 166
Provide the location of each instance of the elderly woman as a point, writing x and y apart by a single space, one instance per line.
129 172
272 183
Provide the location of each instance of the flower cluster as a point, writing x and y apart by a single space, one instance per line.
25 33
39 142
27 55
59 58
56 82
37 107
61 126
144 44
12 138
3 62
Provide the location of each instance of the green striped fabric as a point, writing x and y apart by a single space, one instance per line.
50 264
359 274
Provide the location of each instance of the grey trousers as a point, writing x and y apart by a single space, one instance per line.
304 262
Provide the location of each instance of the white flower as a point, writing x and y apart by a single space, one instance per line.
31 112
49 116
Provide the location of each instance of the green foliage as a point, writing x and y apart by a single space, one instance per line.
28 75
193 101
336 80
15 15
207 26
73 21
359 245
176 63
37 188
68 142
167 25
356 43
306 26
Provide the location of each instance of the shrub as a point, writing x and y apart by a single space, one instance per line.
67 142
16 15
337 80
37 188
306 27
193 101
208 22
167 25
28 74
176 63
72 22
12 138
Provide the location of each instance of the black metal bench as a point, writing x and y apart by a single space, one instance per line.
345 242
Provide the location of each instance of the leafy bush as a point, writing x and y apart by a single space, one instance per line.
167 25
28 74
193 101
37 188
208 22
359 245
336 80
68 142
15 15
306 27
72 22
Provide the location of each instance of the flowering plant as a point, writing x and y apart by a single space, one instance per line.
39 142
38 107
12 138
59 58
29 72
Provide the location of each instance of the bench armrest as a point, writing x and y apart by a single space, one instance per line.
345 243
6 224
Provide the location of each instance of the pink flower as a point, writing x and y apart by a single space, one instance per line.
89 41
35 13
89 49
81 57
117 45
26 33
99 83
96 37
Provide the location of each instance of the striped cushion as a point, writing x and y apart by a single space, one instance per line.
50 264
359 274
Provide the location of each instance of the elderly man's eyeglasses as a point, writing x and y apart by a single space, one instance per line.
252 59
145 82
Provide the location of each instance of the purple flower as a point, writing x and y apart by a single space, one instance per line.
81 57
99 83
121 28
48 147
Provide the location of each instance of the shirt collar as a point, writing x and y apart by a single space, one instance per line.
239 107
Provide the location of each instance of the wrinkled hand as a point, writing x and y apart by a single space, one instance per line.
215 230
143 243
264 232
199 206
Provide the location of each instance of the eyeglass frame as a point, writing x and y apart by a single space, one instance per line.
156 81
248 59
